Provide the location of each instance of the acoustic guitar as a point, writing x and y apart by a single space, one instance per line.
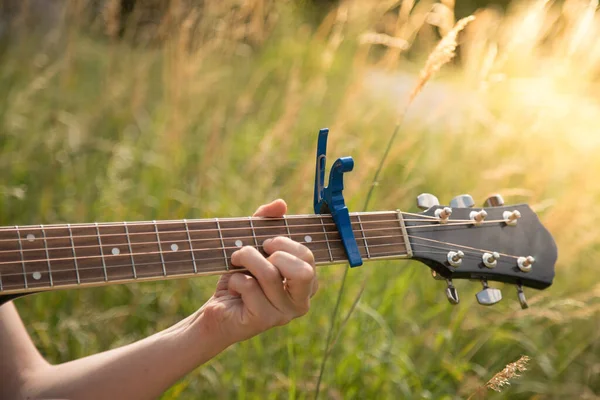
502 243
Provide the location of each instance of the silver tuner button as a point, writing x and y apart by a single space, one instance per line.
426 200
452 293
462 201
478 216
494 201
455 258
511 217
488 296
443 214
522 298
490 260
525 263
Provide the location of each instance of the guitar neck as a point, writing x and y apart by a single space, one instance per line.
48 257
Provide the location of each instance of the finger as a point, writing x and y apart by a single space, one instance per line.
274 209
252 295
299 277
315 286
267 275
281 243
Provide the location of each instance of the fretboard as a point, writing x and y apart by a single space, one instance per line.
46 257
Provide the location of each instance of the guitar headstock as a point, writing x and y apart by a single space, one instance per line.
493 243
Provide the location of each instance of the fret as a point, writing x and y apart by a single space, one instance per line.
35 257
362 232
11 263
162 259
22 256
117 254
59 255
74 253
222 243
173 243
253 232
383 236
89 256
407 245
47 255
320 235
101 252
145 250
207 244
130 251
187 230
268 228
287 227
326 239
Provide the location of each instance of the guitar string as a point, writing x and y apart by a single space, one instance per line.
216 270
219 248
161 251
128 235
25 229
210 269
221 259
462 246
151 225
231 219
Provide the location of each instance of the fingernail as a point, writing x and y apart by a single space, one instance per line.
266 242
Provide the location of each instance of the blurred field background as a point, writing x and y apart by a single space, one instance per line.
164 110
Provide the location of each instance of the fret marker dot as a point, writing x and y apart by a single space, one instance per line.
37 275
30 237
307 239
116 251
238 243
174 247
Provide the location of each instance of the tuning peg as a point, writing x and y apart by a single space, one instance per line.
452 293
522 298
494 201
443 214
426 201
488 296
525 263
462 201
455 258
490 260
511 217
478 216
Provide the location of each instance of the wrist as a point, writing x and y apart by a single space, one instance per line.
201 336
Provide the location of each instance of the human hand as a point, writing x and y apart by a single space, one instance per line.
278 290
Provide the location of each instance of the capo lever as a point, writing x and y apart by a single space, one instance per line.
330 199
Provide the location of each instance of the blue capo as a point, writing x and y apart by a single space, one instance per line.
331 200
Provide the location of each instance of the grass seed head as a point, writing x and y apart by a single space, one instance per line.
509 372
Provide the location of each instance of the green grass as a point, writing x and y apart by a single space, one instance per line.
93 129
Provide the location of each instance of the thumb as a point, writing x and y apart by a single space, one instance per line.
274 209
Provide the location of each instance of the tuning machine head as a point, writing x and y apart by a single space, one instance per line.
495 200
488 296
452 293
521 297
462 201
426 200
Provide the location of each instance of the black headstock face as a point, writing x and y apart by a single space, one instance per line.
459 246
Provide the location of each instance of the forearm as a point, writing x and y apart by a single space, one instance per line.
141 370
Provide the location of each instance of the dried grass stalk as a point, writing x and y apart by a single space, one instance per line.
509 372
443 53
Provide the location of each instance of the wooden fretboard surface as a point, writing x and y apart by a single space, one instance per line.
45 257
